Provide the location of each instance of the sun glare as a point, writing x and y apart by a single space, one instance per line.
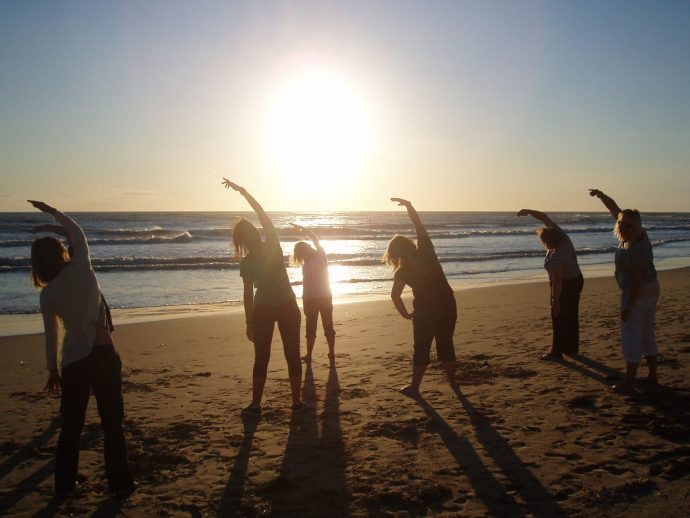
317 130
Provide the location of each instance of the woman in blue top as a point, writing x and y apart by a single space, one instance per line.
637 280
262 266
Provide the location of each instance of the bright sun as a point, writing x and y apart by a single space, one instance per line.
317 129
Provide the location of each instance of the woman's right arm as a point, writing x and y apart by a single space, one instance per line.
310 234
396 295
608 202
75 234
266 222
50 326
541 216
414 217
248 299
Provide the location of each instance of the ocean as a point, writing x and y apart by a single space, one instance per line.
153 259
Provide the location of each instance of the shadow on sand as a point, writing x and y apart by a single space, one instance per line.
28 452
312 475
537 499
231 500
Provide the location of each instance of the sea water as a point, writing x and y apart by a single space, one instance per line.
153 259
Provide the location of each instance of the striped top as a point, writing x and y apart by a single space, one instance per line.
563 256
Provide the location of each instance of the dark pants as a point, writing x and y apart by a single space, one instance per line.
312 308
100 372
289 318
566 326
438 324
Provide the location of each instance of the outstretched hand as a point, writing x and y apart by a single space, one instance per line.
44 207
232 185
401 202
595 192
523 212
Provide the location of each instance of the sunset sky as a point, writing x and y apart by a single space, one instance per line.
456 105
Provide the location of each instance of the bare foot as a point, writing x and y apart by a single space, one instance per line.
409 391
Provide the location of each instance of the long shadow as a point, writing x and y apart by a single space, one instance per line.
30 483
230 502
593 364
312 475
494 496
26 486
337 498
28 451
539 501
597 371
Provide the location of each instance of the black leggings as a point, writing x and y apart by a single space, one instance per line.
100 372
289 318
566 326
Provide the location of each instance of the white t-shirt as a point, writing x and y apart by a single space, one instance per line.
73 297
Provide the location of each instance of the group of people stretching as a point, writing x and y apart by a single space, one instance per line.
70 295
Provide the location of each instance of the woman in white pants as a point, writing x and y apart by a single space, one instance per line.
637 279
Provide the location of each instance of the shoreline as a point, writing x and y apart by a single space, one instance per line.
30 324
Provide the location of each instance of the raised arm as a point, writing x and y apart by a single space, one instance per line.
266 222
541 216
608 202
414 217
310 234
72 230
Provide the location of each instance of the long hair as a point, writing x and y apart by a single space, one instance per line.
302 252
245 237
633 215
550 236
400 250
48 258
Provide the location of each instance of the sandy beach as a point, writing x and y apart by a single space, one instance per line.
522 438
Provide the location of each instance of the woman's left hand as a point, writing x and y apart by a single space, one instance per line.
555 308
401 202
44 207
232 185
53 383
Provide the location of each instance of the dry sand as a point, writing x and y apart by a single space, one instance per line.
523 437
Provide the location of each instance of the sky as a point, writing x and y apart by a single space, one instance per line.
324 105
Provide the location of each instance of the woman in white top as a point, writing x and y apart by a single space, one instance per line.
86 360
565 281
316 293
